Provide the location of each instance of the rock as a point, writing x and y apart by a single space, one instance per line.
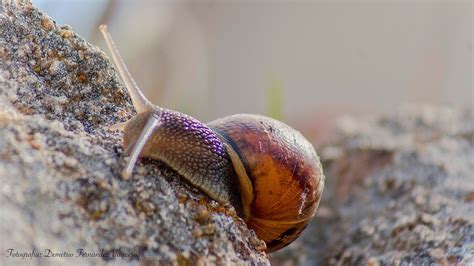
399 191
62 198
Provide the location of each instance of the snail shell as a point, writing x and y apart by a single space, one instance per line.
285 175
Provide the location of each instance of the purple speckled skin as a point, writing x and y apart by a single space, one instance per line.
189 147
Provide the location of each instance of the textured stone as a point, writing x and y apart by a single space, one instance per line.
60 185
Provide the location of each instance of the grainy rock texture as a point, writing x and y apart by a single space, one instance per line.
60 185
400 192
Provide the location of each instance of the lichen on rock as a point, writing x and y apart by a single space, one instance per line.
60 164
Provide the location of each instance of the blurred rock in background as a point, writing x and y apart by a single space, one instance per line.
400 191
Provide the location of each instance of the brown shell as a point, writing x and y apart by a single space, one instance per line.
285 173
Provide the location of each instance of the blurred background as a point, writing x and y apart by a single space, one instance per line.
304 62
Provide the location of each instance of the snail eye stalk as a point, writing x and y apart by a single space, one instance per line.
139 100
152 123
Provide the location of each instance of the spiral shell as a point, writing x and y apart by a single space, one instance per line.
280 175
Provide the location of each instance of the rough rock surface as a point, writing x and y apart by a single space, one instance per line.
60 185
400 191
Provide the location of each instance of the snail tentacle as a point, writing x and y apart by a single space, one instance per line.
152 124
140 102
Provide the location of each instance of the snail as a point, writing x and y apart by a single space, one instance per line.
267 170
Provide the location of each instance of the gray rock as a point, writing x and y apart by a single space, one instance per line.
60 186
400 191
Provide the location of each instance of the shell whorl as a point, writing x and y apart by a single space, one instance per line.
284 170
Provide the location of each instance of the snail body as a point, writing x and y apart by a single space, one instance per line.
267 170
